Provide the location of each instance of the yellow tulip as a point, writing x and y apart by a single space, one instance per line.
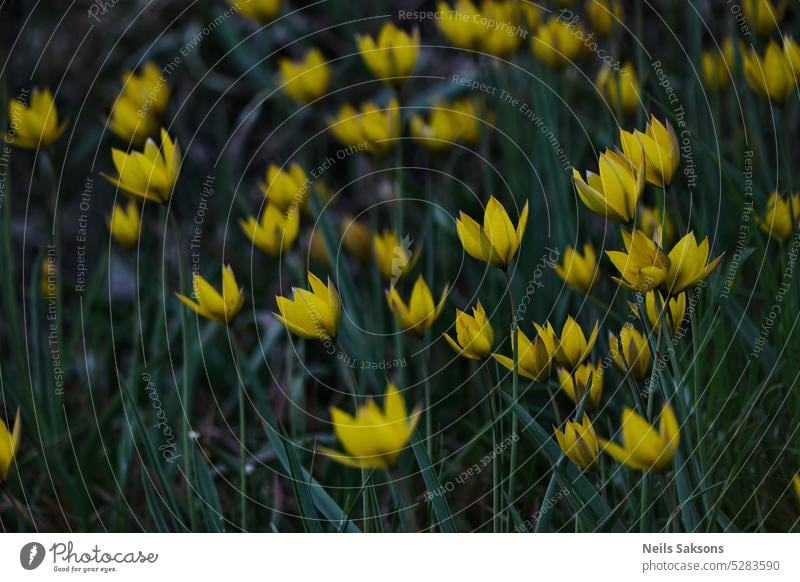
771 76
535 357
781 216
373 438
657 149
220 307
614 192
643 447
420 313
495 242
374 129
587 375
460 25
764 15
630 351
674 309
314 314
533 14
356 238
572 346
307 79
499 20
392 55
579 442
318 248
148 175
792 51
621 89
578 271
124 224
275 232
474 334
466 115
796 485
643 265
688 264
148 90
261 11
129 123
286 190
717 66
393 256
556 43
650 220
606 16
439 132
36 123
9 446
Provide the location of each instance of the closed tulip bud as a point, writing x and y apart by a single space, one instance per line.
579 442
497 241
261 11
307 79
124 224
313 314
439 131
717 66
130 124
474 334
285 190
9 446
557 43
150 174
500 22
764 15
373 128
466 115
572 346
771 76
148 90
621 89
393 256
643 265
460 24
656 149
318 248
36 123
420 313
657 308
392 55
643 447
373 438
275 232
781 217
533 14
535 358
210 303
356 238
587 376
792 51
615 190
630 351
606 16
688 264
652 220
578 271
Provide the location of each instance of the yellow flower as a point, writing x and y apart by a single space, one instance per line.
621 89
781 217
579 442
212 305
318 248
314 314
578 271
615 190
651 219
643 448
392 55
654 303
286 190
374 129
262 11
717 66
275 233
533 14
557 43
474 334
150 174
124 224
393 256
307 79
374 438
441 130
495 242
764 15
466 115
688 264
643 265
131 124
420 313
34 124
572 347
460 25
796 485
792 51
630 351
499 20
606 16
356 238
657 149
587 375
148 91
9 445
770 76
535 357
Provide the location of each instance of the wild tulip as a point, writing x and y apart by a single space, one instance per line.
497 241
9 446
35 123
656 151
314 314
577 270
307 79
579 442
643 447
213 305
124 224
474 334
392 55
630 351
420 313
275 232
615 190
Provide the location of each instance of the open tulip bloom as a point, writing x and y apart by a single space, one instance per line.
420 313
313 314
213 305
615 190
36 123
643 447
307 79
535 358
474 334
497 241
392 55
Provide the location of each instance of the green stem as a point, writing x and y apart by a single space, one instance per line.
512 464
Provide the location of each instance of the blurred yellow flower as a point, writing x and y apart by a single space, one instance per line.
605 16
781 217
620 89
374 129
392 55
356 238
286 190
764 15
587 375
718 66
532 13
579 442
262 11
578 271
630 351
535 357
275 232
130 124
654 303
35 123
688 264
148 90
643 265
314 314
500 35
771 76
572 346
792 51
393 256
220 307
495 242
420 313
614 192
150 174
796 485
307 79
557 43
124 224
651 219
643 448
657 149
9 446
460 24
466 115
374 438
474 334
439 132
